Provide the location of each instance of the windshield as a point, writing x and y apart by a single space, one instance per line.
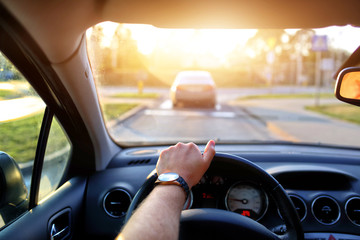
267 84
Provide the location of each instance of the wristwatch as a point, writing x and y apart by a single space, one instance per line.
173 178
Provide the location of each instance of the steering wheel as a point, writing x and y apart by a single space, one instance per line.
206 223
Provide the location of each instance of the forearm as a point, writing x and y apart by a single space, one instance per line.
158 216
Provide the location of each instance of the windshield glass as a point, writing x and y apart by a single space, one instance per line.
262 85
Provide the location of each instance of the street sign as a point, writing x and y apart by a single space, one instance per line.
319 43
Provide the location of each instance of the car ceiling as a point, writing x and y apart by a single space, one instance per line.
51 23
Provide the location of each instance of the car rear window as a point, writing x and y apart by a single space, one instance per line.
195 80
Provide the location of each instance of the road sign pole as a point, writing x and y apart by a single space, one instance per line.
319 44
318 78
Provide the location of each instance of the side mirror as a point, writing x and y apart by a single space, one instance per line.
348 86
13 191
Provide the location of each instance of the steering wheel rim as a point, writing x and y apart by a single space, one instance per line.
219 219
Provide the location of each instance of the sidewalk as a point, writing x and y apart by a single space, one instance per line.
19 108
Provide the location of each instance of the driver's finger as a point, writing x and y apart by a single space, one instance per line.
209 151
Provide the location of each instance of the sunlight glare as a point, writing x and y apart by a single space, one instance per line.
108 30
342 37
145 35
223 42
215 41
208 47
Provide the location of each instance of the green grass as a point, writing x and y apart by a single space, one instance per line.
136 95
19 137
340 111
115 110
8 94
281 96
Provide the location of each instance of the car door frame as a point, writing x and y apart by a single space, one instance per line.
26 55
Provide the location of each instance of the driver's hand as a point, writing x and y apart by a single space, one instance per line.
187 161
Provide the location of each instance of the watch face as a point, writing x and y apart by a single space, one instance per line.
167 177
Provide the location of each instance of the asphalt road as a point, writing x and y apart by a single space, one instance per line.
244 121
192 124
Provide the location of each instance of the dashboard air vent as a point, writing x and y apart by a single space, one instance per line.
352 209
326 210
300 206
139 162
116 202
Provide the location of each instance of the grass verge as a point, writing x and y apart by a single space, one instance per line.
114 110
19 137
8 94
340 111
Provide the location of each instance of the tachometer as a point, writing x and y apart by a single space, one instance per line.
247 199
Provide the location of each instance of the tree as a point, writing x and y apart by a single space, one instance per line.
124 50
8 70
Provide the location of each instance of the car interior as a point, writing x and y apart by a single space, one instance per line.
87 178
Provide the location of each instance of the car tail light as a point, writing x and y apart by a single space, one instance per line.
181 88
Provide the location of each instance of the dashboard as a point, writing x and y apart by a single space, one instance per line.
322 182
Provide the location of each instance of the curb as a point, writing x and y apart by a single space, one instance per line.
126 115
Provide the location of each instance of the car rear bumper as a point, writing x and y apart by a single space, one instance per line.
194 98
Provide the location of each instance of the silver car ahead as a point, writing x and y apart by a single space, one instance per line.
193 88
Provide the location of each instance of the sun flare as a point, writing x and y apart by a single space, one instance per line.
218 42
215 41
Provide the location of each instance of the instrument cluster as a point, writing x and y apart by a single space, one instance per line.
240 196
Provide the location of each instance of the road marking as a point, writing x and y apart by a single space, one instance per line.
280 132
214 114
166 105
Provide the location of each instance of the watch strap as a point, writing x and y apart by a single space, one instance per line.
184 185
179 181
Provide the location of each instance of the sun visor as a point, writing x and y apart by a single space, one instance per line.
234 13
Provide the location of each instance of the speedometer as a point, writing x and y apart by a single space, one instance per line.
247 199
